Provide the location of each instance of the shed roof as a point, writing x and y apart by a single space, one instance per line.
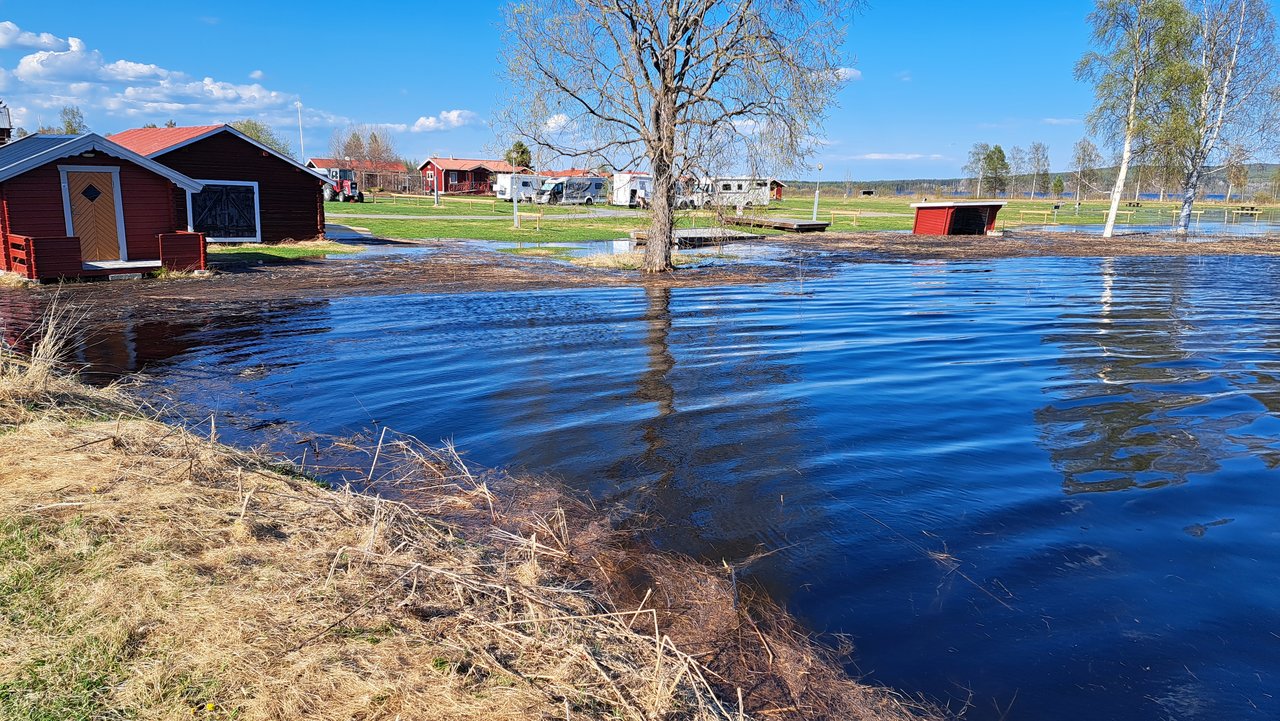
149 141
152 142
960 204
36 150
493 166
571 173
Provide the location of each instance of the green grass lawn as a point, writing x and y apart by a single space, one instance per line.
258 253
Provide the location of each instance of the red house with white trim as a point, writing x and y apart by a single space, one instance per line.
80 206
464 175
252 193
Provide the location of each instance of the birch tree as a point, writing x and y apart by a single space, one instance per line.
1228 96
1017 167
975 167
1138 43
1038 157
1085 160
682 86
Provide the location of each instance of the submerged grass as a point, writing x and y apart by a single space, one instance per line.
279 253
634 260
148 572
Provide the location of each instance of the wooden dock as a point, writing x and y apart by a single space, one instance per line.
696 237
791 225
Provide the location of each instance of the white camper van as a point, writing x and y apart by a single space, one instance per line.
526 186
632 189
583 190
739 192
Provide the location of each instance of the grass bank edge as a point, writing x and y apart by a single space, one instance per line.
148 571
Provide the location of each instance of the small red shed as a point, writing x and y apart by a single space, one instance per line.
252 193
80 205
464 175
956 218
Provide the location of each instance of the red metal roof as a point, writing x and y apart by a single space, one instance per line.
366 165
569 173
493 166
149 141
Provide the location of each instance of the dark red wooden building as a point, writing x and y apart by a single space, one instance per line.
251 192
956 218
76 206
464 175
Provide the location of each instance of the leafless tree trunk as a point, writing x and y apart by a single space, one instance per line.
681 85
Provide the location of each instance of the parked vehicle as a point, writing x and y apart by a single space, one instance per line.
739 192
631 189
342 186
585 190
527 186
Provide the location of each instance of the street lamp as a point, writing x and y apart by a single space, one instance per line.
816 182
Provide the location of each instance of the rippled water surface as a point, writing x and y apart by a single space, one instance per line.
1047 485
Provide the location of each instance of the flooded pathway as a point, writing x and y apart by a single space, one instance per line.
1047 484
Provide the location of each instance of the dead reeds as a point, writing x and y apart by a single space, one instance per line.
150 572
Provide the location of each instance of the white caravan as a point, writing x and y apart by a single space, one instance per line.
525 185
632 189
577 190
739 192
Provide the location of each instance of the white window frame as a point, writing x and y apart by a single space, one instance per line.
257 212
115 188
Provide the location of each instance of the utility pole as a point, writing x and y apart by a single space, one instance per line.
817 180
515 201
302 145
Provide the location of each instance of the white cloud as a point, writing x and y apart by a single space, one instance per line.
897 156
445 120
848 74
903 75
1061 121
256 75
11 36
555 123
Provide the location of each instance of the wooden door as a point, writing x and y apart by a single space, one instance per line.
93 214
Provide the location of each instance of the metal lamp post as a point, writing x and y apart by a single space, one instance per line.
817 181
302 144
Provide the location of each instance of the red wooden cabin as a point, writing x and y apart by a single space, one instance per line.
464 175
82 206
252 193
956 218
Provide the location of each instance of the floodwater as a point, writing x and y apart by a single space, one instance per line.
1203 229
1045 487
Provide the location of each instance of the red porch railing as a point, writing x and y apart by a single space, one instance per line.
182 250
469 188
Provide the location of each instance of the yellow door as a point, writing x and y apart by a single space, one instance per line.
93 214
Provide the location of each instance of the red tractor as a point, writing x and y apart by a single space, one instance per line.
343 187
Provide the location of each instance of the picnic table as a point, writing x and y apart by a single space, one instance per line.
1133 204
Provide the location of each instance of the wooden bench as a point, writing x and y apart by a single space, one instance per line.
1045 215
1133 204
1235 214
854 215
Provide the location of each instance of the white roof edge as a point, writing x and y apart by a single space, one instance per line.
959 203
228 129
93 141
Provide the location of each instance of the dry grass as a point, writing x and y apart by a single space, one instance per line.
633 260
147 572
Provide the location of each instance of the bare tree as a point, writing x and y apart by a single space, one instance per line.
975 167
1017 167
682 84
1229 96
1038 158
1139 42
1085 160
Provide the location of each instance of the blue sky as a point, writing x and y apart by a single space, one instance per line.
932 77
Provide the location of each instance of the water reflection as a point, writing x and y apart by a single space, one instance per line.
1140 405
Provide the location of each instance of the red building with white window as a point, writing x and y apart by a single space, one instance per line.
464 176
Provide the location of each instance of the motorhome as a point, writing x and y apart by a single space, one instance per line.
632 189
739 192
584 190
526 186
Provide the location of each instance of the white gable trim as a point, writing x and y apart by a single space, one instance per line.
93 141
